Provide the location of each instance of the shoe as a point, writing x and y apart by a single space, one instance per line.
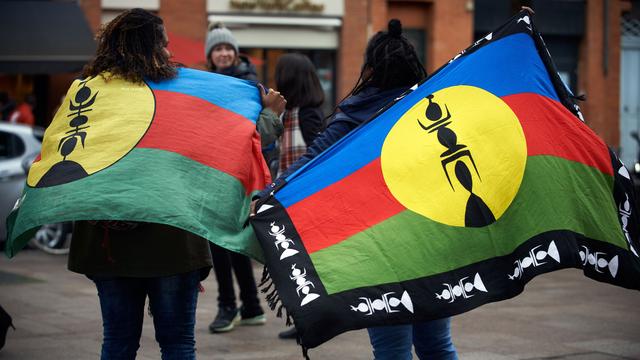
288 334
255 320
252 316
225 321
5 322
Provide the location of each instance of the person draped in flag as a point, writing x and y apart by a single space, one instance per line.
222 54
391 66
130 261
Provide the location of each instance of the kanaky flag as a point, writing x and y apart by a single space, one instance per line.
182 152
454 196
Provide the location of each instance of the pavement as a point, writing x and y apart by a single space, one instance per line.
562 315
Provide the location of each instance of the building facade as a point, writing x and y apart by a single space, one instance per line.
587 39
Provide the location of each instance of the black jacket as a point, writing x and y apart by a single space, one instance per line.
244 70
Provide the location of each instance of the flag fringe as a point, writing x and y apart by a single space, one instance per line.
274 301
265 276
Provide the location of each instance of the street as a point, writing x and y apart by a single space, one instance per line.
562 315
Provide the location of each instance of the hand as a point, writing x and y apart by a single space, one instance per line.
526 8
273 101
252 208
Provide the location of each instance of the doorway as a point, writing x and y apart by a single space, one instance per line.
629 90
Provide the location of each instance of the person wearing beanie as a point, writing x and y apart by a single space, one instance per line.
223 57
391 66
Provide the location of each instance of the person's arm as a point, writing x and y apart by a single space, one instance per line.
311 123
269 125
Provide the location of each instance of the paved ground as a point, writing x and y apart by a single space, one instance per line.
560 316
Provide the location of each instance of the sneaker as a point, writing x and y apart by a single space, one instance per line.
252 316
288 334
225 321
255 320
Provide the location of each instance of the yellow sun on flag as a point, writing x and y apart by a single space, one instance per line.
456 157
98 123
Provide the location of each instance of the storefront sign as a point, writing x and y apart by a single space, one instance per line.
277 5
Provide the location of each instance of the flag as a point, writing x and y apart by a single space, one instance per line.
182 152
455 195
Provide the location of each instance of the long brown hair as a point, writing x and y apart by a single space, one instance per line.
132 47
298 82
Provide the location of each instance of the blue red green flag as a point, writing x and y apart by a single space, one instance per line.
454 196
182 152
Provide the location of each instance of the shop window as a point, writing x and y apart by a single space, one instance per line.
417 38
564 52
565 76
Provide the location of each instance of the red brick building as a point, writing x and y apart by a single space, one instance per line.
584 38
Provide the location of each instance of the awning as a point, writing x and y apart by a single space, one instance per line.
282 32
43 37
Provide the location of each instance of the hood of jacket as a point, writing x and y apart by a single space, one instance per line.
244 70
363 105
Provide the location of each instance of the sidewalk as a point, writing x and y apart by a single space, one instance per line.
562 315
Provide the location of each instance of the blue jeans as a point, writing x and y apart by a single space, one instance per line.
172 300
432 340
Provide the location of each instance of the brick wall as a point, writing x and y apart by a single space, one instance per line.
379 10
92 11
451 30
185 18
601 110
353 40
414 15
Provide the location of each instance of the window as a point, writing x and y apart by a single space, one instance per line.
417 38
11 146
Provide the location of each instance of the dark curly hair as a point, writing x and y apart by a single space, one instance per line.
132 47
390 61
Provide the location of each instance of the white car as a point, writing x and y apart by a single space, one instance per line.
19 146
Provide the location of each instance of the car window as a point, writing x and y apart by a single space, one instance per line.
11 146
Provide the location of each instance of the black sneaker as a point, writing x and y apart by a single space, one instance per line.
225 321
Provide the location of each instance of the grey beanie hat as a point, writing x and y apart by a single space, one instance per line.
218 34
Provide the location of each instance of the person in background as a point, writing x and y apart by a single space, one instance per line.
391 66
7 105
222 54
23 113
298 82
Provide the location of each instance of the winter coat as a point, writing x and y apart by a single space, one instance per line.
245 70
